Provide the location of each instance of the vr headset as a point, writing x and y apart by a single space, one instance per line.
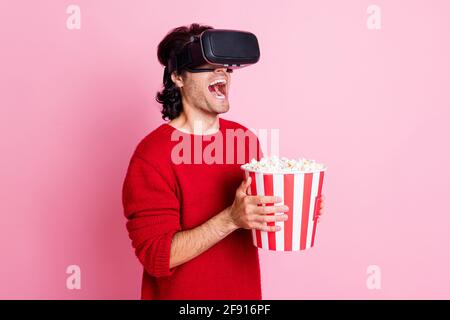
228 48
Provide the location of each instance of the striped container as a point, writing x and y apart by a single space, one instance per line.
301 193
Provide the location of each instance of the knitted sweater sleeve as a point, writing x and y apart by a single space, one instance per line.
152 209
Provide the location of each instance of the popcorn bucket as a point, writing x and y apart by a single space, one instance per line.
301 192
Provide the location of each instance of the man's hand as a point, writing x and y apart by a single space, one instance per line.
320 213
245 212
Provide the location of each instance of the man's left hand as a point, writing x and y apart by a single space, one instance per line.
320 213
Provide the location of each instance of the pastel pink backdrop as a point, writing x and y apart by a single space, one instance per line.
371 104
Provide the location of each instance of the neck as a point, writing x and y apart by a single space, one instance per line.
196 122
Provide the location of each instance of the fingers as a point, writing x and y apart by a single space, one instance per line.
320 212
260 222
264 227
270 218
264 199
321 206
271 209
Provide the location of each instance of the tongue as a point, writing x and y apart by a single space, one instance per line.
215 88
222 89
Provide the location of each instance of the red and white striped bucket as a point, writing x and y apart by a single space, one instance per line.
301 193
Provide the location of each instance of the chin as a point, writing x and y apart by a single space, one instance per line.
222 108
218 107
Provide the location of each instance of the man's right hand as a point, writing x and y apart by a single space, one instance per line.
245 212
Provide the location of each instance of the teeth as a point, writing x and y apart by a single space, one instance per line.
219 96
218 81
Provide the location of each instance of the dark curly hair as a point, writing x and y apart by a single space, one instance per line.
173 43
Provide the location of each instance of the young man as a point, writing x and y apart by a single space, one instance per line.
190 223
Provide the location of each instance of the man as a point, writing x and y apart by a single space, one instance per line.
190 223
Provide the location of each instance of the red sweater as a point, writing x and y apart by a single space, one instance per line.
161 197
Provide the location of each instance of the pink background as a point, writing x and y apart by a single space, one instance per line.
371 104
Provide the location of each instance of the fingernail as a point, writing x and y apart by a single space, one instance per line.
279 199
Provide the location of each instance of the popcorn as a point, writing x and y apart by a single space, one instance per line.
299 182
274 164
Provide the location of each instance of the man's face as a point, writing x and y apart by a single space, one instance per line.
199 92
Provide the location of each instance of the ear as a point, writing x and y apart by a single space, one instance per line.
177 79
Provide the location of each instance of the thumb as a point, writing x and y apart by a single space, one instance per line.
245 184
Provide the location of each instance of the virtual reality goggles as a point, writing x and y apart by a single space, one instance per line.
224 48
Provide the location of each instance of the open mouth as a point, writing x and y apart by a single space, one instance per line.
218 88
